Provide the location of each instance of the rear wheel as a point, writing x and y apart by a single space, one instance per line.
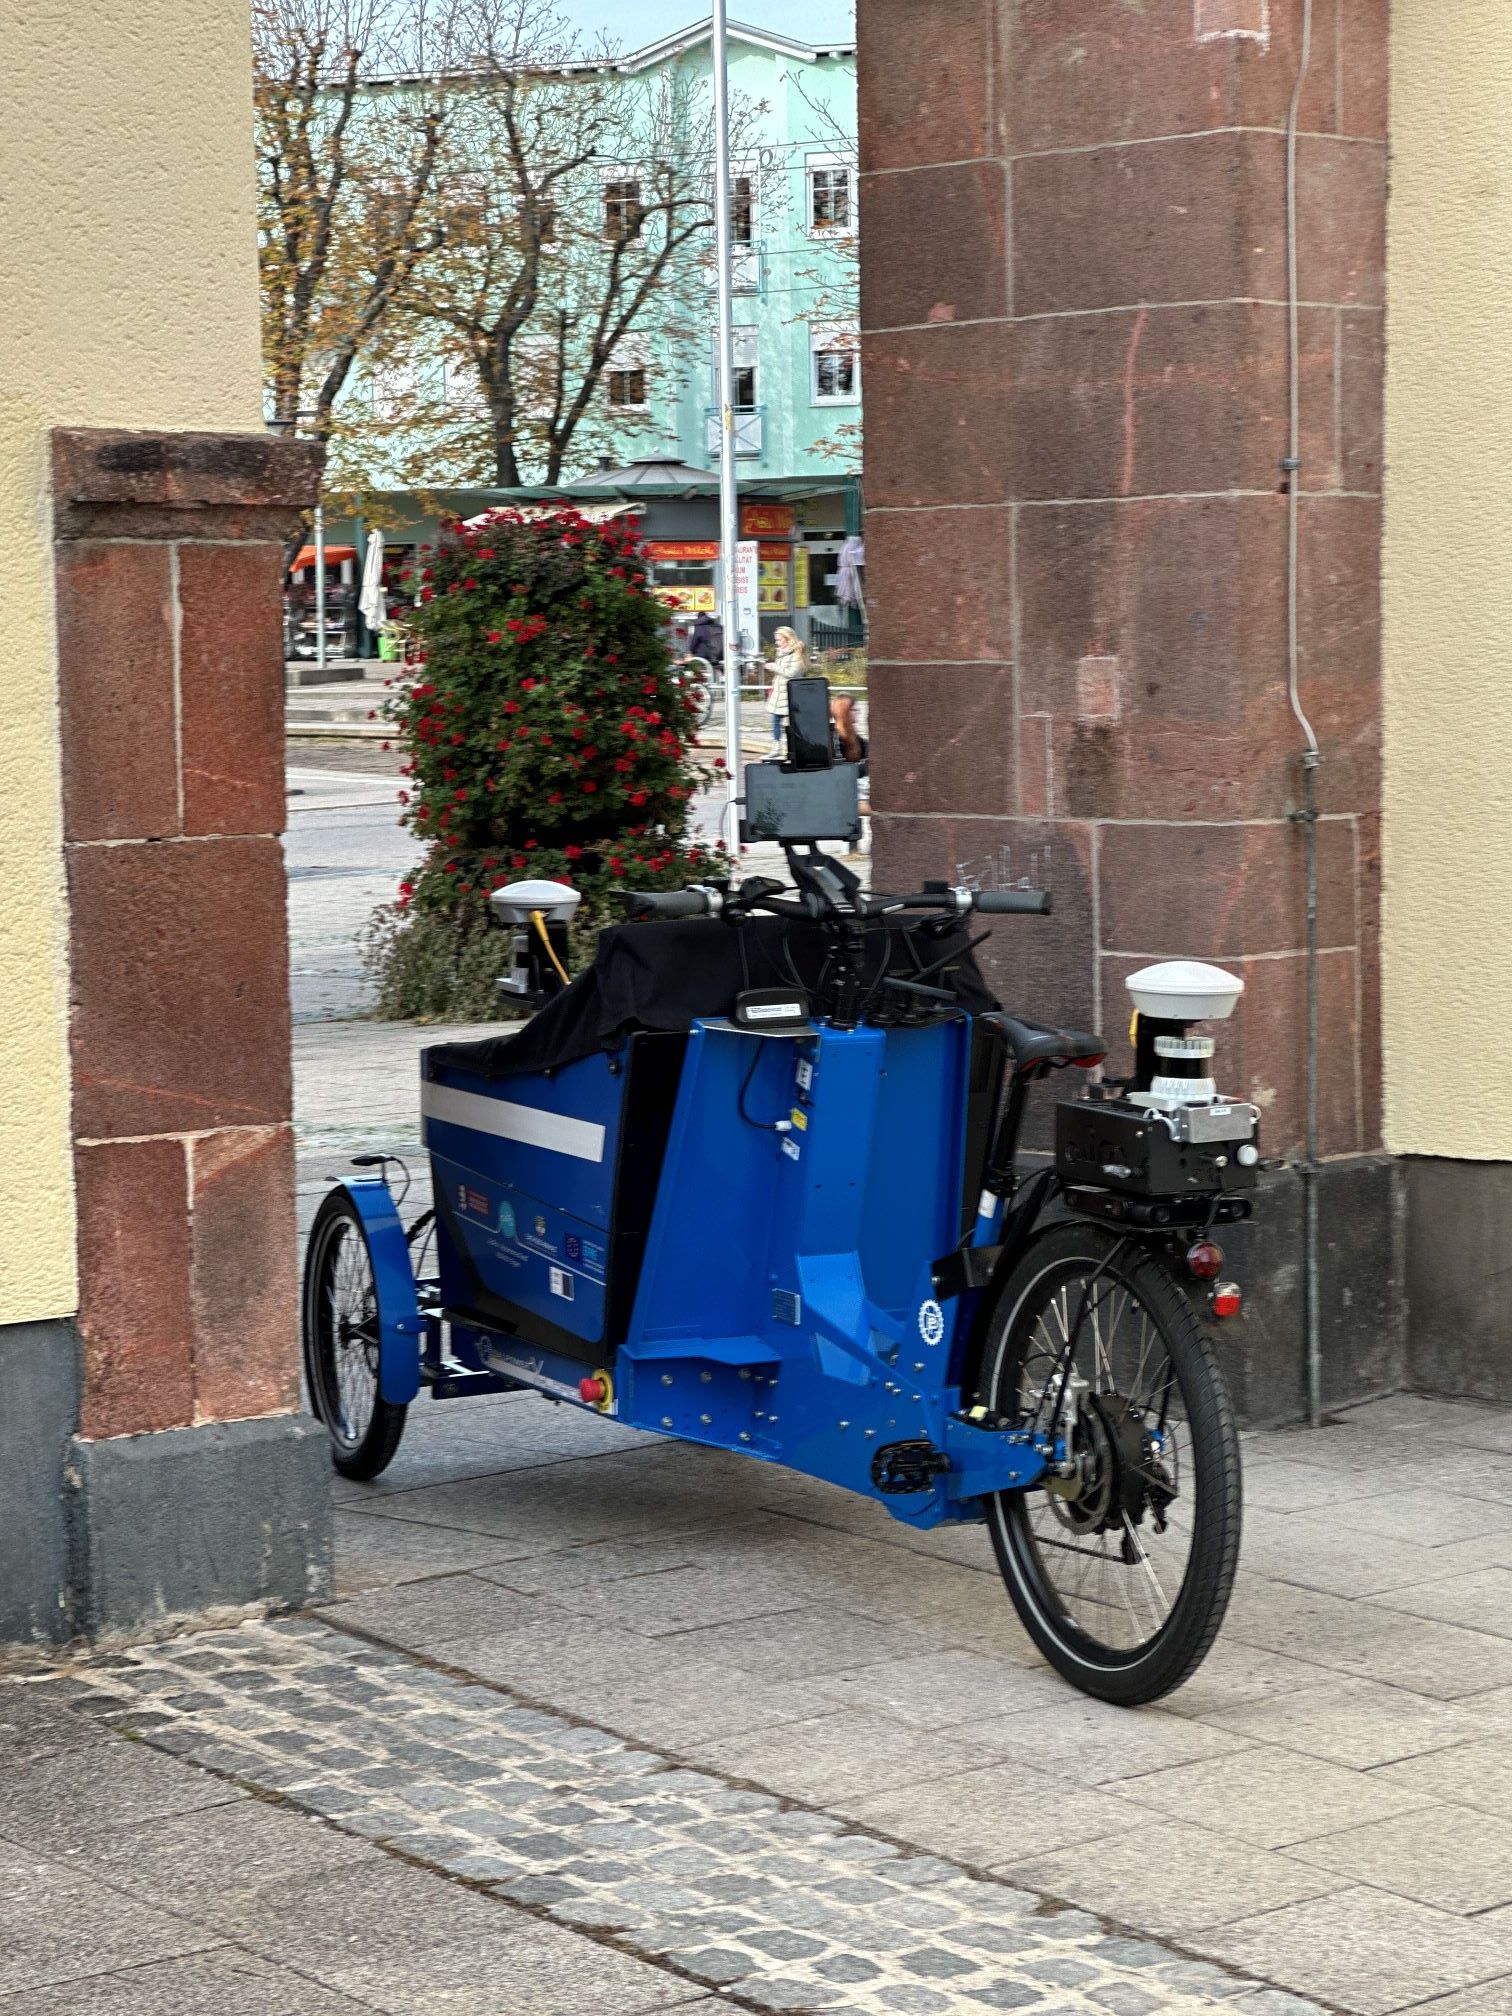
340 1323
1121 1564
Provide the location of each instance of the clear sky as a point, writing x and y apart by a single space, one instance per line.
634 22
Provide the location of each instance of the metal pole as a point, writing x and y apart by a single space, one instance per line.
729 504
320 636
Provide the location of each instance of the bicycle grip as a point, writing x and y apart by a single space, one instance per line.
1012 902
669 903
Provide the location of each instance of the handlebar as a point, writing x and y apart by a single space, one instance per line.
1011 902
672 903
706 901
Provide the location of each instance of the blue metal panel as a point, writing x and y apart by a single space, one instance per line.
786 1307
401 1328
530 1208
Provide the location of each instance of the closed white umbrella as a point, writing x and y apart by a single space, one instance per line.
372 601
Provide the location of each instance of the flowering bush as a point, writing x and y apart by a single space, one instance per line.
545 736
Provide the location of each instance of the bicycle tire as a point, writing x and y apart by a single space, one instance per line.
1129 1675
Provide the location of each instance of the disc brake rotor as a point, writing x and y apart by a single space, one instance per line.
1118 1474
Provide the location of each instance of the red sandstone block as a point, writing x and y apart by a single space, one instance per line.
1160 401
942 738
134 1314
940 415
179 970
936 246
924 81
106 465
1362 344
1042 966
1199 218
1369 829
231 686
245 1296
1220 892
1364 28
1080 73
1185 593
116 691
1341 221
940 585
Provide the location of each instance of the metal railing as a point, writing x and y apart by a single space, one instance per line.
750 432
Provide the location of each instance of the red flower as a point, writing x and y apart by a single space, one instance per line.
572 853
496 636
511 706
589 785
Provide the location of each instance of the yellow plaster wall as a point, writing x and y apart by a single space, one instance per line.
1447 926
127 299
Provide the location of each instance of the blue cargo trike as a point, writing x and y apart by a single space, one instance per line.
753 1180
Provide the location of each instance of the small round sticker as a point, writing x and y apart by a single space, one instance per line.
931 1322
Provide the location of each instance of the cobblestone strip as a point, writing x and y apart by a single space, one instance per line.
777 1907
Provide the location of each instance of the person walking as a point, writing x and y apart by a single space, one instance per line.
707 640
791 662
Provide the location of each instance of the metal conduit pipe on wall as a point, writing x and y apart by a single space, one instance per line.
1312 756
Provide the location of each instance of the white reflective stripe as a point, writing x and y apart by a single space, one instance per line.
581 1138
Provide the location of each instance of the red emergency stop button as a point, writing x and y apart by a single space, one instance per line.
596 1391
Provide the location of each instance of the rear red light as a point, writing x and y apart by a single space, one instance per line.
1205 1260
1226 1299
1089 1063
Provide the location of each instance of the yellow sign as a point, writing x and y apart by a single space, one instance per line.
773 581
801 594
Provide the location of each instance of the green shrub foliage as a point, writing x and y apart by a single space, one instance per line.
546 735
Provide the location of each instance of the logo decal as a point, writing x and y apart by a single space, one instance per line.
931 1322
507 1219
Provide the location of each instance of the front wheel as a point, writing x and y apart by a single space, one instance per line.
340 1325
1120 1563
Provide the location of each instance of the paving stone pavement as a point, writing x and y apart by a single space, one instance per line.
589 1876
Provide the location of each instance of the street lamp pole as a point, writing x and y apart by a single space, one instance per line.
320 587
729 507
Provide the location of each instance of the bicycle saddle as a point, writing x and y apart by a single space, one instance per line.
1034 1043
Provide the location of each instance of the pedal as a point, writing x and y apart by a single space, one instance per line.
903 1467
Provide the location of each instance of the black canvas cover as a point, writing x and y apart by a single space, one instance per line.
666 975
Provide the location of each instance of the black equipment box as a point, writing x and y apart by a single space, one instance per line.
1113 1145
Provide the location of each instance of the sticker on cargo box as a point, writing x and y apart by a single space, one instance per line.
561 1283
506 1220
791 1149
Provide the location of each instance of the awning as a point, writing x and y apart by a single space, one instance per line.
305 557
596 514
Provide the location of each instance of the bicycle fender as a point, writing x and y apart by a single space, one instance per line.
401 1331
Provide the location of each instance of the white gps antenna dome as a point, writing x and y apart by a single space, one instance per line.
515 903
1184 990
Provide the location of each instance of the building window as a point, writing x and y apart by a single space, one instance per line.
626 379
830 203
743 211
744 343
464 386
394 389
623 211
835 378
627 385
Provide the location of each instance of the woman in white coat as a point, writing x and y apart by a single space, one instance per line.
791 662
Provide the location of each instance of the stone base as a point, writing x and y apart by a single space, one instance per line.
120 1536
195 1519
1362 1300
1459 1222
